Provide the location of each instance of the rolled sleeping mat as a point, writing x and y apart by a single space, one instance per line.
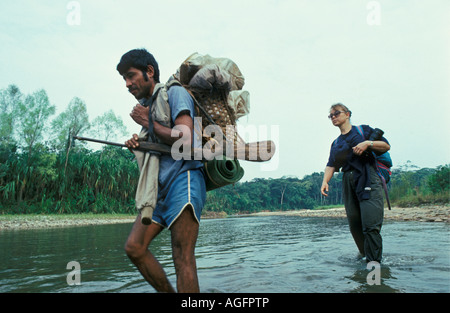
220 173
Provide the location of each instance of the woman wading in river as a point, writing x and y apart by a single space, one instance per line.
362 187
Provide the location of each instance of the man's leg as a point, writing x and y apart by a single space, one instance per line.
184 237
136 248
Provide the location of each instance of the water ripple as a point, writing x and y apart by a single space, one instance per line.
257 254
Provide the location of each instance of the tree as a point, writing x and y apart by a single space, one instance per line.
440 180
34 114
108 126
10 100
72 122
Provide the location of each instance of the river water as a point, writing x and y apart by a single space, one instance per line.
271 254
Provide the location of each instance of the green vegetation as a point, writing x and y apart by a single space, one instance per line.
43 172
415 187
408 187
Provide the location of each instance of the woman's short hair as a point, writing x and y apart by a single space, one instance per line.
340 106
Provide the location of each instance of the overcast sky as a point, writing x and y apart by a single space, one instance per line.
387 60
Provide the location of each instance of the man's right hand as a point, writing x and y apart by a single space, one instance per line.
132 143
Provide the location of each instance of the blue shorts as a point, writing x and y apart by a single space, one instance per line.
188 189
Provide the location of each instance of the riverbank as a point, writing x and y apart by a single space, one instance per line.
33 221
429 213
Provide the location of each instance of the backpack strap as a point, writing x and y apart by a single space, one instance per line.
150 118
153 99
360 131
383 181
172 82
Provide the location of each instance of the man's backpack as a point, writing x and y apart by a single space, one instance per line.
216 84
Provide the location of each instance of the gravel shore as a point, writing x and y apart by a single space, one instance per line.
50 221
431 213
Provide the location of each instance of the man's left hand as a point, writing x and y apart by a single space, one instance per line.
140 115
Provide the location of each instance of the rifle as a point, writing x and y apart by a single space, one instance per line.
259 151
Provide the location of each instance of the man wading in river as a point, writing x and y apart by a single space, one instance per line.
181 192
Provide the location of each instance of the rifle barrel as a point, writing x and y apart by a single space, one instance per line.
100 141
143 146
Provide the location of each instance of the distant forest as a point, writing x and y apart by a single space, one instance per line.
43 171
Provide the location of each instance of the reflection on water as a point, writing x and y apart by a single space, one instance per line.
270 254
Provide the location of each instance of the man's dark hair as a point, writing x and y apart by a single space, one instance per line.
140 59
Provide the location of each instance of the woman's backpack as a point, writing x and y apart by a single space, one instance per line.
383 162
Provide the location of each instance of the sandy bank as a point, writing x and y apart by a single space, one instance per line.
50 221
430 213
435 213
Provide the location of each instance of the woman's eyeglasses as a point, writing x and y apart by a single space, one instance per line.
335 114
